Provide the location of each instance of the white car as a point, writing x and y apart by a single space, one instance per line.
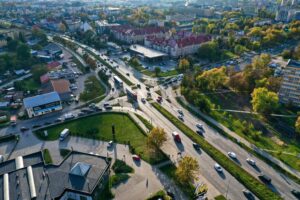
218 168
199 126
251 161
110 143
232 155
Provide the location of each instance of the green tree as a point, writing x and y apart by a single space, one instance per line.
23 52
156 138
37 72
264 101
187 170
12 45
184 64
297 126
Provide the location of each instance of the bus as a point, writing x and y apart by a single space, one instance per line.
64 134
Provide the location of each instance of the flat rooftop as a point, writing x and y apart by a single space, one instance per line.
147 52
51 181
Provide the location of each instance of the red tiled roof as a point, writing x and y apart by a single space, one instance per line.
60 85
53 65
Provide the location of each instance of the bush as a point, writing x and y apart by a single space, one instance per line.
220 197
118 178
47 156
120 166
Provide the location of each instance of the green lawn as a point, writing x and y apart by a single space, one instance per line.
258 188
99 127
92 89
28 85
116 179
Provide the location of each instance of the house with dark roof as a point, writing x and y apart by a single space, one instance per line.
42 104
78 176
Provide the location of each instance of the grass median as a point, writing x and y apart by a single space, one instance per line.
99 127
258 188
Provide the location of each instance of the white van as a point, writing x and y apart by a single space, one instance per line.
64 134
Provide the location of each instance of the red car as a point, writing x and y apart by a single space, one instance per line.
176 137
136 158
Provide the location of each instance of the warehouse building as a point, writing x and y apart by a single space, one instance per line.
42 104
80 176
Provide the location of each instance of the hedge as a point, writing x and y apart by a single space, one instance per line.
258 188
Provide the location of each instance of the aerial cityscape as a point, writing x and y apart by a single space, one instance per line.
150 99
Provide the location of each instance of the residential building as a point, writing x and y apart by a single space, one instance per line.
80 176
42 104
290 86
179 44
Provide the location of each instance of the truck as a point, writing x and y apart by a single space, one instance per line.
118 81
69 116
176 137
64 134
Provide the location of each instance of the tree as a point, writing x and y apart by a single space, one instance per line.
157 137
157 70
297 126
12 45
187 170
212 79
210 51
264 101
184 64
37 72
23 52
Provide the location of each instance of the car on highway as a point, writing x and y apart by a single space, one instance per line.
251 161
159 100
59 119
199 126
127 74
176 137
296 193
143 100
248 194
180 112
231 155
199 132
23 129
181 117
136 158
264 178
218 168
110 144
196 146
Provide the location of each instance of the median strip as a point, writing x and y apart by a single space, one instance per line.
258 188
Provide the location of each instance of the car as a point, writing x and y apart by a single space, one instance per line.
138 85
199 132
47 123
248 194
110 143
143 100
97 108
158 100
180 112
231 154
196 146
199 126
81 114
59 119
127 74
218 168
180 117
264 178
136 158
251 161
296 193
23 128
176 137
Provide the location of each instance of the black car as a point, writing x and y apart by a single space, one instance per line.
24 129
199 132
196 146
265 178
296 193
248 195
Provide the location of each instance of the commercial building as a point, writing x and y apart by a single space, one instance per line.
290 86
78 176
61 86
42 104
146 53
